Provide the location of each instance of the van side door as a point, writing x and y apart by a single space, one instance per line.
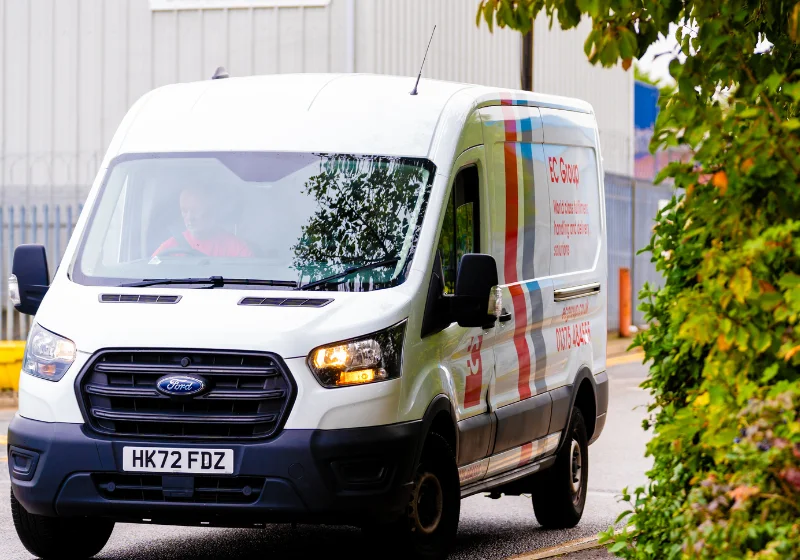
520 243
578 262
467 352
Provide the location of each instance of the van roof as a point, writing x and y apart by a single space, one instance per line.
343 113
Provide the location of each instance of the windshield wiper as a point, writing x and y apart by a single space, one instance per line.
212 281
347 272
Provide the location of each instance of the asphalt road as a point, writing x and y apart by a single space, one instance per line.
489 528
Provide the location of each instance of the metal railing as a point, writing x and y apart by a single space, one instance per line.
48 224
631 207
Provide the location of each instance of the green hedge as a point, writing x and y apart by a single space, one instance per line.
724 340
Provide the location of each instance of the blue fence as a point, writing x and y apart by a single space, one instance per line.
631 207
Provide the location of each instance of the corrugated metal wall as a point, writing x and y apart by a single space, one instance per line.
560 67
392 36
69 69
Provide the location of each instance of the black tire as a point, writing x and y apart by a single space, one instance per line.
430 524
559 493
55 537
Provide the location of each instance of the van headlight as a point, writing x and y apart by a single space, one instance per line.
374 357
47 355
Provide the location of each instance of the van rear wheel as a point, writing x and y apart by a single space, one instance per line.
55 537
430 523
559 493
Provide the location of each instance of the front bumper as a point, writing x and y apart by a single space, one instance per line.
348 476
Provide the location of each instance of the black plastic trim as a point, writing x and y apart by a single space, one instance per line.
474 438
284 302
20 473
440 403
562 401
583 374
521 422
138 298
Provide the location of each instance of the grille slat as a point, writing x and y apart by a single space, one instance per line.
247 395
200 418
207 489
165 369
112 391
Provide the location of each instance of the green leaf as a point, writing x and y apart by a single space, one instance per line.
617 547
741 284
749 113
627 44
769 373
791 124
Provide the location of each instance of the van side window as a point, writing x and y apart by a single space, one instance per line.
461 227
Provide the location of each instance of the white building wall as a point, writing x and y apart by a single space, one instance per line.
391 36
560 67
69 69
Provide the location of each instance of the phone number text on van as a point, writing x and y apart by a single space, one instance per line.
573 335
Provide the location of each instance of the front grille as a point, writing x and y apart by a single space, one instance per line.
207 489
248 394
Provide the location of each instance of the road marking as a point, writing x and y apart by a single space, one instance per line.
568 547
626 359
3 440
564 548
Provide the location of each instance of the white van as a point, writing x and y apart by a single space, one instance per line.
318 298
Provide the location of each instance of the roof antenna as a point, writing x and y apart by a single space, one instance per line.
414 91
220 73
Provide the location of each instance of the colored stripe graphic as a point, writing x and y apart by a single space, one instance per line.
526 453
511 256
537 336
474 380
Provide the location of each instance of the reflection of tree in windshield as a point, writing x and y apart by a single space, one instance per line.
365 206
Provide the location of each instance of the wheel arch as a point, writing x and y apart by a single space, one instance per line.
439 417
584 398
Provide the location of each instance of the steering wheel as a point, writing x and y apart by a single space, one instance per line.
181 251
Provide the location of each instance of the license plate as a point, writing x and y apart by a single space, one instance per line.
177 460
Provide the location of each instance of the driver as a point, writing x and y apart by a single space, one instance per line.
203 232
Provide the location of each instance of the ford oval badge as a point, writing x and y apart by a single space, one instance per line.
180 385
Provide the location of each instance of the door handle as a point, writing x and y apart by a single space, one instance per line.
575 292
504 316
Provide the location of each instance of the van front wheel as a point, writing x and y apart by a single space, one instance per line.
430 524
559 493
50 537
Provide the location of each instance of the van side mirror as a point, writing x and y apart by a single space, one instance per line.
477 276
29 279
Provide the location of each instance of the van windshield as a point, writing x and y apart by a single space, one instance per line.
281 220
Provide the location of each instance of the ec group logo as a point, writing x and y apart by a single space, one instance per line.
563 172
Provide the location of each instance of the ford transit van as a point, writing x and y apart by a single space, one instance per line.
318 298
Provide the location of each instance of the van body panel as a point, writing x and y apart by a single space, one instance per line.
287 331
45 401
568 128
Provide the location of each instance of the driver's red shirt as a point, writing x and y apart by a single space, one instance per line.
220 245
